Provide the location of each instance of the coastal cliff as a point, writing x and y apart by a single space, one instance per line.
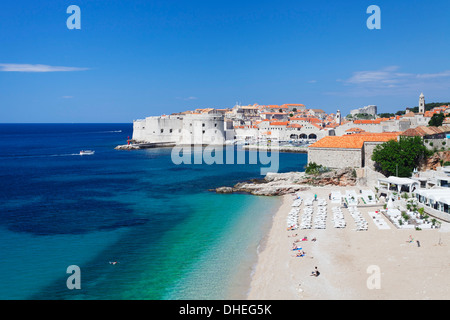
277 184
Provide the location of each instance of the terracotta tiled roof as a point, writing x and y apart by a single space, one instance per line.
295 125
293 105
410 133
428 114
355 130
279 123
354 141
425 131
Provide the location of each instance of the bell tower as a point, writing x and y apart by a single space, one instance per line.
338 117
422 103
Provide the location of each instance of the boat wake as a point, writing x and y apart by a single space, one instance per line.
39 156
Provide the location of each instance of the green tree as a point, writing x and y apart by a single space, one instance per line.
385 115
400 156
436 120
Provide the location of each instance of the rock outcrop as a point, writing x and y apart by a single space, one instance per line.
276 184
128 147
435 161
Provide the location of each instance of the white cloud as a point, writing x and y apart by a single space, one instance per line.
385 75
12 67
390 81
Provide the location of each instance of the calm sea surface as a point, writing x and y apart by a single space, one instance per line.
171 237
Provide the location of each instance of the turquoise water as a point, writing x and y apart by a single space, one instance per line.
171 237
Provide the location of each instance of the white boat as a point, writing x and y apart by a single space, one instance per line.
86 152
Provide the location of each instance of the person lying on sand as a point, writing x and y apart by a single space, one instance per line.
315 273
300 254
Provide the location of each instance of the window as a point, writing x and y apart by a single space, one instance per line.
162 130
170 130
203 124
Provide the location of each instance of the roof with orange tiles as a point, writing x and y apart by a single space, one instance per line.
354 141
429 114
295 125
293 105
376 121
355 130
279 123
425 131
307 119
331 125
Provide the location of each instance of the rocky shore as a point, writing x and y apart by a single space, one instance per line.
277 184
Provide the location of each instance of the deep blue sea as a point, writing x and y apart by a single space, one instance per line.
171 237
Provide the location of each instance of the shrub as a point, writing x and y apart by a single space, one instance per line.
314 168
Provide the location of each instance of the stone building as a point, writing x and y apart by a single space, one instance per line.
189 129
371 109
349 150
433 137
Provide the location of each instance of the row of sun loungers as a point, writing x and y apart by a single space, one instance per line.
338 218
361 223
316 217
292 219
320 218
306 221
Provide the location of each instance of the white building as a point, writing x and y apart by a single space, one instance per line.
189 129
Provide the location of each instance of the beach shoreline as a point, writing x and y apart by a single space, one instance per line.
350 261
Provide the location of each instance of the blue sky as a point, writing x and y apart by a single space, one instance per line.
133 59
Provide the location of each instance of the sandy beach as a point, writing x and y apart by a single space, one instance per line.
373 264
